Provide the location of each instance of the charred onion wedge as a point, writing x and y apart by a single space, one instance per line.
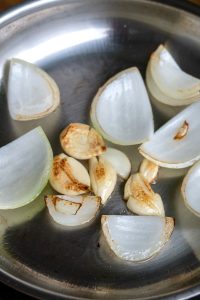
141 198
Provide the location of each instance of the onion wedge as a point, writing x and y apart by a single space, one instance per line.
168 83
177 143
81 141
32 93
121 110
68 176
136 238
72 210
191 189
103 177
25 165
119 161
141 198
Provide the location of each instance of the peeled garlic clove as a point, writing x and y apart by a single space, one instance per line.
81 141
191 189
136 238
72 210
25 166
32 93
68 176
141 198
103 178
149 170
119 161
168 83
121 110
166 150
128 188
152 208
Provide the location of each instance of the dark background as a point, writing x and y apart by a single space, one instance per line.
193 6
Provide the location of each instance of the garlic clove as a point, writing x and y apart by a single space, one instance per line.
144 208
149 170
176 144
68 176
119 161
141 198
123 97
136 238
72 210
32 93
81 141
103 178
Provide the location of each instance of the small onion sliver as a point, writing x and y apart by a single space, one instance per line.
89 206
136 238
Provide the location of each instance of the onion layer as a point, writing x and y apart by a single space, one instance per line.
136 238
24 169
32 93
191 189
177 143
72 210
168 83
121 110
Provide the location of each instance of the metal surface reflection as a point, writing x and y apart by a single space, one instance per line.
62 42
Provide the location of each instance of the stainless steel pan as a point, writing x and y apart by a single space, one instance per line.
81 43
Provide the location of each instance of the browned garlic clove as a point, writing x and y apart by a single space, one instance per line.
103 177
141 198
81 141
149 170
68 176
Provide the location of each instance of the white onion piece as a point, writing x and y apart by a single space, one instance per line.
168 83
136 238
149 170
191 189
103 177
25 165
72 210
121 110
68 176
32 93
81 141
119 161
141 198
166 150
